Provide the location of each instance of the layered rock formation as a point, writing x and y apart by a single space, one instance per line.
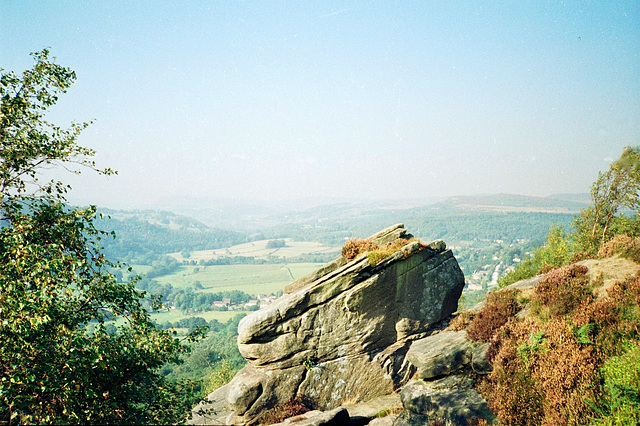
341 334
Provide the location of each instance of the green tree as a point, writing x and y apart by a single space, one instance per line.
616 189
59 362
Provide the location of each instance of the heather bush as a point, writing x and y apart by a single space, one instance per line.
561 290
354 247
461 321
566 374
510 389
293 407
498 307
541 374
579 365
623 245
375 253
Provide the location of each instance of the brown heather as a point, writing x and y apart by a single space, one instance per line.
623 245
498 307
461 321
293 407
375 253
354 247
561 290
546 369
510 390
566 374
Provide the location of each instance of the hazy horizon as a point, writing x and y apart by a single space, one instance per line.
278 101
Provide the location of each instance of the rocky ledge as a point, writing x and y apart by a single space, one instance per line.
342 335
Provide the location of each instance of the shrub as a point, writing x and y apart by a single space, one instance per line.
378 255
498 308
354 247
461 321
566 374
623 245
621 402
561 290
541 375
222 374
375 253
293 407
510 389
583 255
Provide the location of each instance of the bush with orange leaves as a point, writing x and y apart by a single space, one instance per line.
498 307
623 245
376 254
541 374
561 290
354 247
558 368
292 407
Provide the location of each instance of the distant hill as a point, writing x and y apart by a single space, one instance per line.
507 217
151 233
560 203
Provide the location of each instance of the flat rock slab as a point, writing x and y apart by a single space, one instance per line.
422 403
336 417
441 354
374 407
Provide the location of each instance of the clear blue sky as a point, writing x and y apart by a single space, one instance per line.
278 100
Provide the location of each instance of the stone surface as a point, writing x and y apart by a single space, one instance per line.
342 333
355 378
213 412
383 421
425 403
279 386
336 417
441 354
244 389
479 360
311 277
363 412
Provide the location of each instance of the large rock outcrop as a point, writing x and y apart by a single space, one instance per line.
341 334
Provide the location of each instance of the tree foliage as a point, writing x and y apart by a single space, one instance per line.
59 360
613 191
616 189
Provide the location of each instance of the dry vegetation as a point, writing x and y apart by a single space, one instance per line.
375 253
293 407
572 360
499 306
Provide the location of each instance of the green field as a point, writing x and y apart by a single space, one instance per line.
259 250
252 279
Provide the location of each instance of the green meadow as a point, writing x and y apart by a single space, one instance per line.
252 279
260 250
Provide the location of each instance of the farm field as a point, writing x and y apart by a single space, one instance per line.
259 250
251 279
176 314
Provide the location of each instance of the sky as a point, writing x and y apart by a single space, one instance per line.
268 101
